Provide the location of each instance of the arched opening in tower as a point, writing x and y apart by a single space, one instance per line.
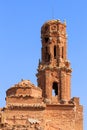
55 89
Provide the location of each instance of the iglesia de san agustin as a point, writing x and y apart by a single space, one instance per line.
49 105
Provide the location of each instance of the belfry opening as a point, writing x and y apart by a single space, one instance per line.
55 89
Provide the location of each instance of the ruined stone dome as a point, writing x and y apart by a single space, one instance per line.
24 88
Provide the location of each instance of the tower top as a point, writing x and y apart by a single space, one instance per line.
54 40
53 25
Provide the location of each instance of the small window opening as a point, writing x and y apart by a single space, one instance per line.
46 39
54 51
55 89
62 52
47 55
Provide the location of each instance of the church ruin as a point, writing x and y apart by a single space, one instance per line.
49 105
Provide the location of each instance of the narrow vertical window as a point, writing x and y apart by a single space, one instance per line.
47 55
55 89
62 52
55 52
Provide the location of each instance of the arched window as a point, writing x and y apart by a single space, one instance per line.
55 52
55 89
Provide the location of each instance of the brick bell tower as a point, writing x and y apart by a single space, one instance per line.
54 72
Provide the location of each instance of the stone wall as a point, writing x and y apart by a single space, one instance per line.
66 116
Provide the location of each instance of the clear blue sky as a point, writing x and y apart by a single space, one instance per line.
20 43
